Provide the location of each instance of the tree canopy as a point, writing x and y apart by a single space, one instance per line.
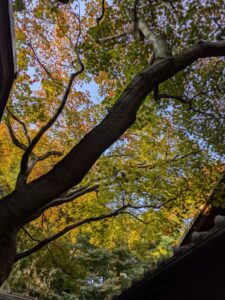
112 140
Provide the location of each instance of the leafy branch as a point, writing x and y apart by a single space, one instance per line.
68 197
189 102
24 169
124 209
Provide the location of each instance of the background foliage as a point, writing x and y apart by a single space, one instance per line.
168 162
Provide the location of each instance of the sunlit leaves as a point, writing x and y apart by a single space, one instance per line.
164 167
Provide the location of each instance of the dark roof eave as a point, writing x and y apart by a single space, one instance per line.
204 220
196 259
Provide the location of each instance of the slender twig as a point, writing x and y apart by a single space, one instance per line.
135 217
165 162
115 36
35 158
43 66
30 236
21 122
68 228
189 102
163 204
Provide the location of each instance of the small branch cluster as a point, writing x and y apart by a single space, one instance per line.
124 209
34 158
188 102
29 159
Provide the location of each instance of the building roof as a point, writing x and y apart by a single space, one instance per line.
193 273
7 53
198 260
204 221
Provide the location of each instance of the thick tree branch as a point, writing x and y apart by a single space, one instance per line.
161 48
63 199
72 197
74 166
49 153
98 19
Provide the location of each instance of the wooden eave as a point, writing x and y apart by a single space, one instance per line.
197 270
7 53
197 273
205 219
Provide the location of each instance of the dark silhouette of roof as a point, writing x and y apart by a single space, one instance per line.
197 268
7 53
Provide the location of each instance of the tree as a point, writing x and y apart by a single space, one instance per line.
116 48
89 272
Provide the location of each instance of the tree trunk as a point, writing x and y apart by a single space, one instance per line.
7 253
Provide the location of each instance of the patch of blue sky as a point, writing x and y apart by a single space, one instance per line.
92 88
35 85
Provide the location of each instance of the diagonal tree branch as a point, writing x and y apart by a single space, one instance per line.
116 36
67 229
75 165
64 199
34 158
29 235
119 211
165 162
49 153
189 102
13 136
24 162
21 122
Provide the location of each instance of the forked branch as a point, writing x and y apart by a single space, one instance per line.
22 177
123 209
69 197
189 102
21 123
67 229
